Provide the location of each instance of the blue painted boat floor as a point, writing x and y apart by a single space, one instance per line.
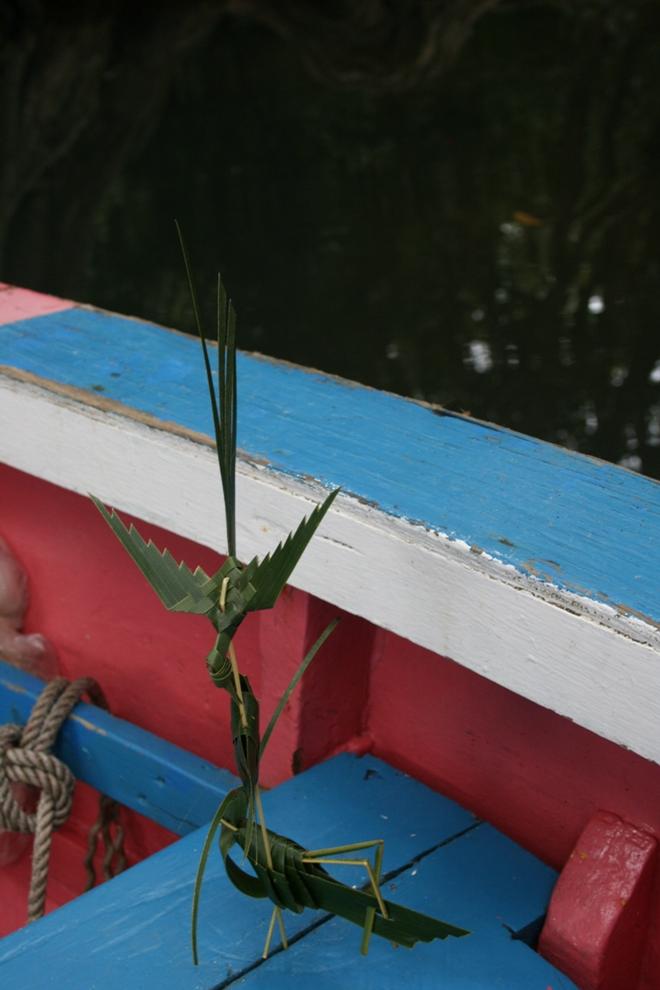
135 929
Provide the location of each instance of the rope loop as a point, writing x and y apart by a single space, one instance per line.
25 758
36 769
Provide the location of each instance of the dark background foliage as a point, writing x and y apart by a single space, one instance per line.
453 200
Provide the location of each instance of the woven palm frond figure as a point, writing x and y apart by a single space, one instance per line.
292 877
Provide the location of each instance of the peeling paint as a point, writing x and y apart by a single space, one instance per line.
90 726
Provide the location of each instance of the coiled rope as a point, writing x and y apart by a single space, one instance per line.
25 758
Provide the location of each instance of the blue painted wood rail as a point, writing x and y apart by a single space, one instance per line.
142 771
524 562
451 474
135 928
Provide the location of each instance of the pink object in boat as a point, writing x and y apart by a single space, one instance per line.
32 653
13 588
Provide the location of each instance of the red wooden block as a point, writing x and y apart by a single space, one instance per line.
599 912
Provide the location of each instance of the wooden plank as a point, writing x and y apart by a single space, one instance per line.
136 927
496 890
452 474
491 960
23 304
430 523
167 784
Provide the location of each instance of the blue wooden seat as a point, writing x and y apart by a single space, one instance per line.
134 931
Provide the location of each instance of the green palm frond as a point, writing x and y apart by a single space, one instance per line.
295 680
282 869
257 586
226 330
275 569
199 877
179 588
224 409
248 588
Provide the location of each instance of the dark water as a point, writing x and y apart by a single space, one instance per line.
454 201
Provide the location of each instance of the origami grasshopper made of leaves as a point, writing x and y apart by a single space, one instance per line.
289 875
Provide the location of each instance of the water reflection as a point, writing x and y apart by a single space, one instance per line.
463 209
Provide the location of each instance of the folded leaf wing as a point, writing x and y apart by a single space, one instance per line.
179 588
276 568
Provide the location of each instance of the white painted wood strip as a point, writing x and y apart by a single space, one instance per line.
580 524
588 661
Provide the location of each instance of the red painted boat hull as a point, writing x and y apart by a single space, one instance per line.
535 775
